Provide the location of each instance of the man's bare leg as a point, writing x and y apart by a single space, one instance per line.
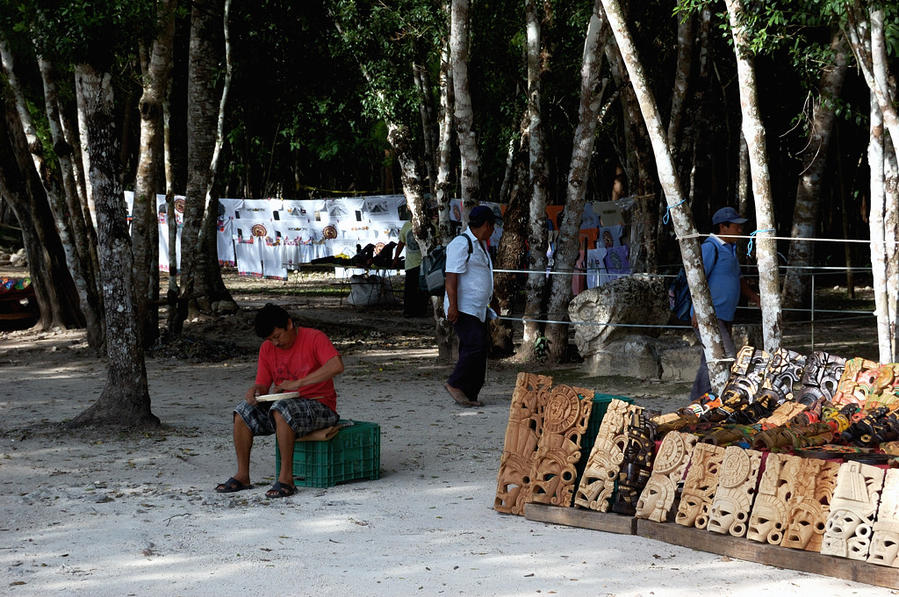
286 439
243 443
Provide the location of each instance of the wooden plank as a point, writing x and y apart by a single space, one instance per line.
770 555
576 517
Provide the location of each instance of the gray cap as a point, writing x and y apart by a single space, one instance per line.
727 214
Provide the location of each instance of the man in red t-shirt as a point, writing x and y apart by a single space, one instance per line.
292 359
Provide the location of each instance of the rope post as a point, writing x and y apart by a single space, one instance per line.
813 312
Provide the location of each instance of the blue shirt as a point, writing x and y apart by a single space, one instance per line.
724 277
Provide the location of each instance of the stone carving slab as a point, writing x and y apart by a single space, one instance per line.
737 481
523 432
601 471
852 510
783 375
657 499
885 540
700 486
820 378
745 377
637 463
770 513
855 383
565 413
809 505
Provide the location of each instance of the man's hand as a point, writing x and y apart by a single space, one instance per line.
452 313
250 396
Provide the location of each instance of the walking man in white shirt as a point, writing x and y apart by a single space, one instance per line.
469 293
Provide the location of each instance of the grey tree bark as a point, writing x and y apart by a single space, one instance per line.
797 283
681 217
443 190
200 275
464 112
754 133
125 400
144 224
82 274
539 180
578 175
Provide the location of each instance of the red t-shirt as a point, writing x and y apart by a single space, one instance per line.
311 350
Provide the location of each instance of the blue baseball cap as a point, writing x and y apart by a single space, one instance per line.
727 214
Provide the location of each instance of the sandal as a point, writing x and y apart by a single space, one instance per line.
280 490
460 397
231 485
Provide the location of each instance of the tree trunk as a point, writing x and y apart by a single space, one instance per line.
754 133
891 246
681 216
685 37
464 114
539 181
443 190
54 289
90 303
641 181
870 54
796 288
509 254
125 400
426 112
578 174
878 236
144 224
198 278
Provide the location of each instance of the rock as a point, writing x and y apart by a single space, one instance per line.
224 307
633 356
679 362
636 299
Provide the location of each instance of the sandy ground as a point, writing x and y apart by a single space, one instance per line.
97 514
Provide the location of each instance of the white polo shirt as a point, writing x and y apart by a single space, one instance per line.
475 287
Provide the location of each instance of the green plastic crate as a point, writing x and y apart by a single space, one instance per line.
354 453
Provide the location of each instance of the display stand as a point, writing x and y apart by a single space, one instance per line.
725 545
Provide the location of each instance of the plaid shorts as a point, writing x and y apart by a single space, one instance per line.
303 415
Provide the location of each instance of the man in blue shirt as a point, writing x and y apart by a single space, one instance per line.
722 270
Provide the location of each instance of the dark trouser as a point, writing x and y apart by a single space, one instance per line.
474 342
415 302
701 384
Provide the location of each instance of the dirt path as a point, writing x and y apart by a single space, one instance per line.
134 514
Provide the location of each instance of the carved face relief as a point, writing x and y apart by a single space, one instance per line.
805 523
767 521
725 514
885 545
656 499
842 524
689 510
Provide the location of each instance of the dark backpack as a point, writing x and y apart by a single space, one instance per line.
679 300
432 274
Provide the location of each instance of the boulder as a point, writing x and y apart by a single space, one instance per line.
636 299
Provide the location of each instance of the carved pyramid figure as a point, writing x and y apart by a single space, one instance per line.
852 510
885 540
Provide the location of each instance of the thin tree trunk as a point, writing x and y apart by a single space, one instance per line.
754 133
641 181
797 284
54 289
878 237
515 227
539 181
891 248
426 112
685 38
443 190
744 178
578 174
125 400
868 43
681 217
202 119
464 113
85 156
90 303
145 226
